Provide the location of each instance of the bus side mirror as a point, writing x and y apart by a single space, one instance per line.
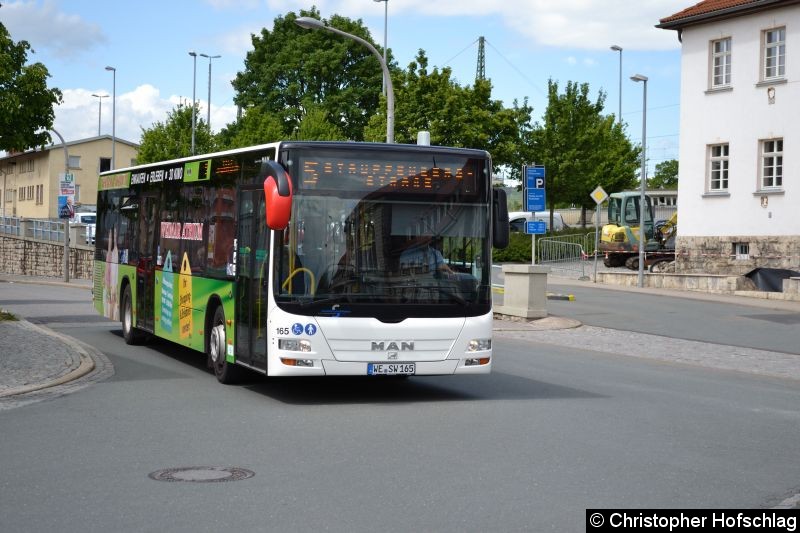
500 228
277 195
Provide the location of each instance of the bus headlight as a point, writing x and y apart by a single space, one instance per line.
479 345
294 345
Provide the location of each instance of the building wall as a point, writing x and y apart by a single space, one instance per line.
48 164
711 223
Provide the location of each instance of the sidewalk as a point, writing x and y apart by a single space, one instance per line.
33 358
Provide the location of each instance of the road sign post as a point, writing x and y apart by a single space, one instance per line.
535 199
599 196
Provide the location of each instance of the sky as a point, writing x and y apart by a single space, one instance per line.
528 42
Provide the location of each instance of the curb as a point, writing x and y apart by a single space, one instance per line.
85 366
550 296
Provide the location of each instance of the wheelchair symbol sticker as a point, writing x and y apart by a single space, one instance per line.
297 328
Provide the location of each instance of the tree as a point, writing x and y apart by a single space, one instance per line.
291 70
666 176
26 104
256 126
581 148
172 138
454 115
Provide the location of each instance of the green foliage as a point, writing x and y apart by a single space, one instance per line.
291 70
666 176
256 126
517 251
172 138
453 114
581 148
316 126
26 104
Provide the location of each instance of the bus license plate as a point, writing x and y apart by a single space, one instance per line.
391 369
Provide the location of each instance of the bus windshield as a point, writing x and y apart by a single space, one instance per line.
379 236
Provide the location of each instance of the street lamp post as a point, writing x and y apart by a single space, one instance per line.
99 109
208 120
385 33
643 178
113 118
619 49
194 96
66 220
314 24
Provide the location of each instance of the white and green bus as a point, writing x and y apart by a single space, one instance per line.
304 258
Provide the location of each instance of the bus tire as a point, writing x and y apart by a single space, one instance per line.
129 332
216 344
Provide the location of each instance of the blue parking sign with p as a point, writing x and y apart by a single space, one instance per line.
534 177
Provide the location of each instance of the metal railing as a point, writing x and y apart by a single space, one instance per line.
566 254
10 226
43 230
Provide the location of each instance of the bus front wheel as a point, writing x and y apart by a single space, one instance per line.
129 331
216 348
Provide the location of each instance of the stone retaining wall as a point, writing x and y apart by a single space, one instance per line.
719 284
29 257
716 254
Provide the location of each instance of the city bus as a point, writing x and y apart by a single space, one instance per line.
287 258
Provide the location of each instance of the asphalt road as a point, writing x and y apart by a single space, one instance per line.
552 431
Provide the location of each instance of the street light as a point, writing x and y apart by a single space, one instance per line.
66 220
194 96
99 109
642 205
208 121
113 119
619 49
309 23
385 30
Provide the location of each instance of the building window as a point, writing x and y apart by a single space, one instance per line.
105 164
774 53
74 161
39 194
27 166
718 167
721 63
772 163
741 250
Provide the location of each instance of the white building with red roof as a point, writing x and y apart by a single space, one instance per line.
739 178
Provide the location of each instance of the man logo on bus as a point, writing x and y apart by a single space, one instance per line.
403 346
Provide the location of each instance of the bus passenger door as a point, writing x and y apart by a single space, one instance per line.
252 280
146 265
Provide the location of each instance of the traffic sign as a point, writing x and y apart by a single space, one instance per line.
535 227
599 195
534 200
534 177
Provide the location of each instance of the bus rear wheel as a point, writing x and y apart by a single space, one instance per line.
129 332
216 344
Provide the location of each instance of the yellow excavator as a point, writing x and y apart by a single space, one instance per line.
619 238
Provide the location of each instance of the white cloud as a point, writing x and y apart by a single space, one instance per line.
44 26
587 24
77 116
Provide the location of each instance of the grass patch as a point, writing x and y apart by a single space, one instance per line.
5 315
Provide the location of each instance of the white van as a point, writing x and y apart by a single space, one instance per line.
90 219
517 220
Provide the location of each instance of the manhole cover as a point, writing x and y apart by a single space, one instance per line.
202 474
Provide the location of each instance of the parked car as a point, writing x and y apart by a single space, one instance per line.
90 219
517 220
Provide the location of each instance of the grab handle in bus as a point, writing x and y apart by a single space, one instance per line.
277 195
